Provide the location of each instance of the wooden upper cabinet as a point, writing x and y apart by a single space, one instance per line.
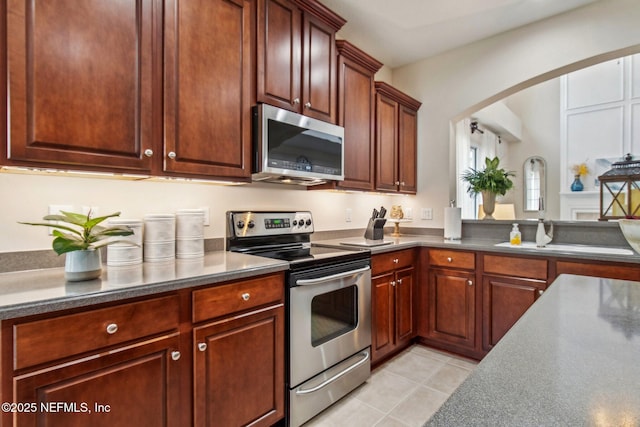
296 56
356 107
80 83
396 140
208 87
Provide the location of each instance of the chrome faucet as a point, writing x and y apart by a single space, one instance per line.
542 238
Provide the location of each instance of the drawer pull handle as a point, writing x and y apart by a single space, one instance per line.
112 328
246 296
175 355
449 259
469 282
202 346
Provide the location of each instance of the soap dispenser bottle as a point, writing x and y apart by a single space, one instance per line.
515 237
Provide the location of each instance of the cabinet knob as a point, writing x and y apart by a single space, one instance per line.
540 292
112 328
175 355
246 296
449 259
393 283
172 155
202 346
397 182
399 281
470 282
296 101
402 183
307 105
396 260
148 152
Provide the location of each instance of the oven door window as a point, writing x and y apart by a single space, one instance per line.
333 314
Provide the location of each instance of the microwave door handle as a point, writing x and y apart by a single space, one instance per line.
309 282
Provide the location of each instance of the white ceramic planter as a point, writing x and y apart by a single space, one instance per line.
83 265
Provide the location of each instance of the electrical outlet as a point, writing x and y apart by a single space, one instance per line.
408 213
426 213
205 209
347 214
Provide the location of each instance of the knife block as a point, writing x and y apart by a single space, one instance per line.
375 229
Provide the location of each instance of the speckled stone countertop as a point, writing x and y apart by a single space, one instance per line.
571 360
489 245
24 293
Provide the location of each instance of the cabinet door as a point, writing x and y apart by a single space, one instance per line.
404 301
382 316
134 386
504 301
355 113
207 87
239 370
318 69
407 146
279 54
452 307
386 143
80 83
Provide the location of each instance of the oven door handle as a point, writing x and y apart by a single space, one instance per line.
309 282
365 357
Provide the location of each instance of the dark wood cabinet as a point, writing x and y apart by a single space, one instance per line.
80 80
393 298
239 370
136 385
356 107
296 56
207 90
396 140
510 285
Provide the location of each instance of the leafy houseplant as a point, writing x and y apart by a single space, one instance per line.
490 181
81 237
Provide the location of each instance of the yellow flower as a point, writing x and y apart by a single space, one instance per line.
580 169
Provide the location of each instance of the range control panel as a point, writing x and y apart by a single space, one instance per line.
250 224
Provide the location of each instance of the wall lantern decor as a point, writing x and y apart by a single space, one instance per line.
620 190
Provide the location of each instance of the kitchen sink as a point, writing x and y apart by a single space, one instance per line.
603 250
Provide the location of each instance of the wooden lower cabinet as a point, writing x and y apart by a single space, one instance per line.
505 299
239 370
136 385
393 299
452 308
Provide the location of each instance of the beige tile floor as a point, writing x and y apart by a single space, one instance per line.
403 392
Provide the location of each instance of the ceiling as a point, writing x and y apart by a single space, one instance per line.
404 31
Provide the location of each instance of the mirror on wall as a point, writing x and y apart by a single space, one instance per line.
534 182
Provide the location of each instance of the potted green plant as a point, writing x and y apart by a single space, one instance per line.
490 181
80 237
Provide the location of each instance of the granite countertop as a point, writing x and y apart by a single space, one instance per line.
489 245
572 359
24 293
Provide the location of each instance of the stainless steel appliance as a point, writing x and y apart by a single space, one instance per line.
292 148
328 307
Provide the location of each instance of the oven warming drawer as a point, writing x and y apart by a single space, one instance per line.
323 390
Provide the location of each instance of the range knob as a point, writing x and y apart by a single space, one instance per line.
240 224
308 222
251 224
295 222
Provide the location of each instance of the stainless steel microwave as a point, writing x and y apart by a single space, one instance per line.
292 148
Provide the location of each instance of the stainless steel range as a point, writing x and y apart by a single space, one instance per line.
328 307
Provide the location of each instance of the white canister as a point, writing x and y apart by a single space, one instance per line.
120 254
159 228
159 251
189 223
136 225
190 248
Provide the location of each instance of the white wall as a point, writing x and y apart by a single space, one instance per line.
456 83
27 198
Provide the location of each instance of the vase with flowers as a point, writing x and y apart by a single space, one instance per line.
579 170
